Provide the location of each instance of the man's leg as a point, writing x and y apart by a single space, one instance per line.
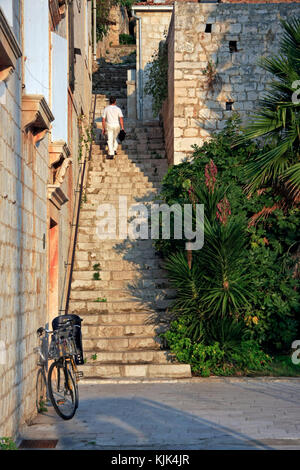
116 133
110 141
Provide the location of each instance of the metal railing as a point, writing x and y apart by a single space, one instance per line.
69 266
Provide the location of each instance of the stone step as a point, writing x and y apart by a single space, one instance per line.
143 298
125 182
96 249
137 192
123 266
130 343
121 331
116 307
168 370
128 357
116 294
126 163
119 183
104 245
113 319
112 254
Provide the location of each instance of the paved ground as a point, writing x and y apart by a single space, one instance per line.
205 414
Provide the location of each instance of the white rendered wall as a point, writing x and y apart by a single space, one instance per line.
36 47
59 87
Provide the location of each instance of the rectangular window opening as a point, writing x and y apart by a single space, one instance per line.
233 46
208 28
229 105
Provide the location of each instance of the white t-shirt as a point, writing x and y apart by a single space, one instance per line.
111 114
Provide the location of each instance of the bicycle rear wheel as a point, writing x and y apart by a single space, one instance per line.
63 389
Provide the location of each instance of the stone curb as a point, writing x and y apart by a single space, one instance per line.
192 380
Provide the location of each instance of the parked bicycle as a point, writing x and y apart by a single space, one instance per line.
66 352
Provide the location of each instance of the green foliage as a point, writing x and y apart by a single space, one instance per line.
277 120
100 299
103 9
217 358
86 135
94 357
240 293
156 84
126 39
6 443
218 283
96 275
42 406
282 366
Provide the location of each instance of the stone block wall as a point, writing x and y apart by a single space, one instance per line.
201 104
23 257
25 212
119 25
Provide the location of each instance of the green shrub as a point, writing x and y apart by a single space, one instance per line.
244 269
6 443
216 358
156 84
126 39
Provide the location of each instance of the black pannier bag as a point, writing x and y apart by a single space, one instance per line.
74 321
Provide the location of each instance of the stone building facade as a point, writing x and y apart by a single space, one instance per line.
118 24
153 20
213 50
45 89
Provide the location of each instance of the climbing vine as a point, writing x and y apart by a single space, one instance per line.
157 78
86 135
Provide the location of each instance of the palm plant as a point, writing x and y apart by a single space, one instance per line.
277 121
217 287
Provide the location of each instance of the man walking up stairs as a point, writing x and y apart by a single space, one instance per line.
112 119
119 286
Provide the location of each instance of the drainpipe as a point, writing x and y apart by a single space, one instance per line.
94 28
140 74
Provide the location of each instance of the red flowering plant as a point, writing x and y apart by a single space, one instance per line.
210 176
223 210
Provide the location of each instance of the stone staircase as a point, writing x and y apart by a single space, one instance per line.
110 79
125 309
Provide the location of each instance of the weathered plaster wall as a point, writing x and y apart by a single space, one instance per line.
23 268
24 225
200 109
78 103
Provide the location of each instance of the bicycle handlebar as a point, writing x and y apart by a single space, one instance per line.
40 331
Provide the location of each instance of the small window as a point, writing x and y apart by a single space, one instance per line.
233 46
208 28
229 105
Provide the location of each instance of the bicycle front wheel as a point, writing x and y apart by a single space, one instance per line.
62 389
